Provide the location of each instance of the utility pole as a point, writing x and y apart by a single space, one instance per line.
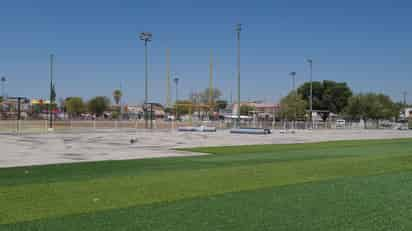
51 93
168 101
238 30
211 85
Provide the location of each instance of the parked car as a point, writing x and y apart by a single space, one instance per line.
340 123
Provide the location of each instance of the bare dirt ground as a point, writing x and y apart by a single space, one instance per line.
52 148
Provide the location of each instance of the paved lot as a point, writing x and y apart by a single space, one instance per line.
39 149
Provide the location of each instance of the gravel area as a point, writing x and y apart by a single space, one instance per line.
52 148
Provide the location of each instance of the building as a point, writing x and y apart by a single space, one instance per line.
263 111
406 113
137 111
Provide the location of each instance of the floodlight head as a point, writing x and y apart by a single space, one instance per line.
176 80
292 73
310 61
146 36
238 27
3 79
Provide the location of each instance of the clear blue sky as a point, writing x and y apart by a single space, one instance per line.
366 43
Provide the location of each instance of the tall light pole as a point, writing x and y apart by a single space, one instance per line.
146 37
238 30
52 93
168 101
211 91
310 62
3 92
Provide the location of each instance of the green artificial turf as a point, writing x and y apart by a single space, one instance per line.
325 186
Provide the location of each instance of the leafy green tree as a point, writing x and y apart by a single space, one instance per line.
98 105
372 106
246 109
221 104
183 107
327 95
117 96
292 107
74 106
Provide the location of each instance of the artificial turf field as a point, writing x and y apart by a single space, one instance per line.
348 185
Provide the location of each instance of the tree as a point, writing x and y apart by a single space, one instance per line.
204 95
117 96
98 105
327 95
245 109
220 104
184 107
292 107
372 106
74 106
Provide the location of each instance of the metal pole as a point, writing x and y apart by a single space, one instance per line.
293 74
176 81
404 104
145 84
151 116
51 92
18 114
168 103
3 93
311 91
238 29
211 85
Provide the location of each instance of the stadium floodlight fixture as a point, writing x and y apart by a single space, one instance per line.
146 37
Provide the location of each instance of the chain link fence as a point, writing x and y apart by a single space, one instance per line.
42 126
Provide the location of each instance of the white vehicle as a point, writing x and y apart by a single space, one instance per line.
340 123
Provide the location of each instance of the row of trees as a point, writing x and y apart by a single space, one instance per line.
334 97
75 106
199 102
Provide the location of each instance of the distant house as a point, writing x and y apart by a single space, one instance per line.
406 113
137 111
262 110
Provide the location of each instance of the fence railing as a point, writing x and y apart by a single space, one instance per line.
39 126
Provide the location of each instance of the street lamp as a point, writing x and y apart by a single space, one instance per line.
238 29
310 62
3 81
146 37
